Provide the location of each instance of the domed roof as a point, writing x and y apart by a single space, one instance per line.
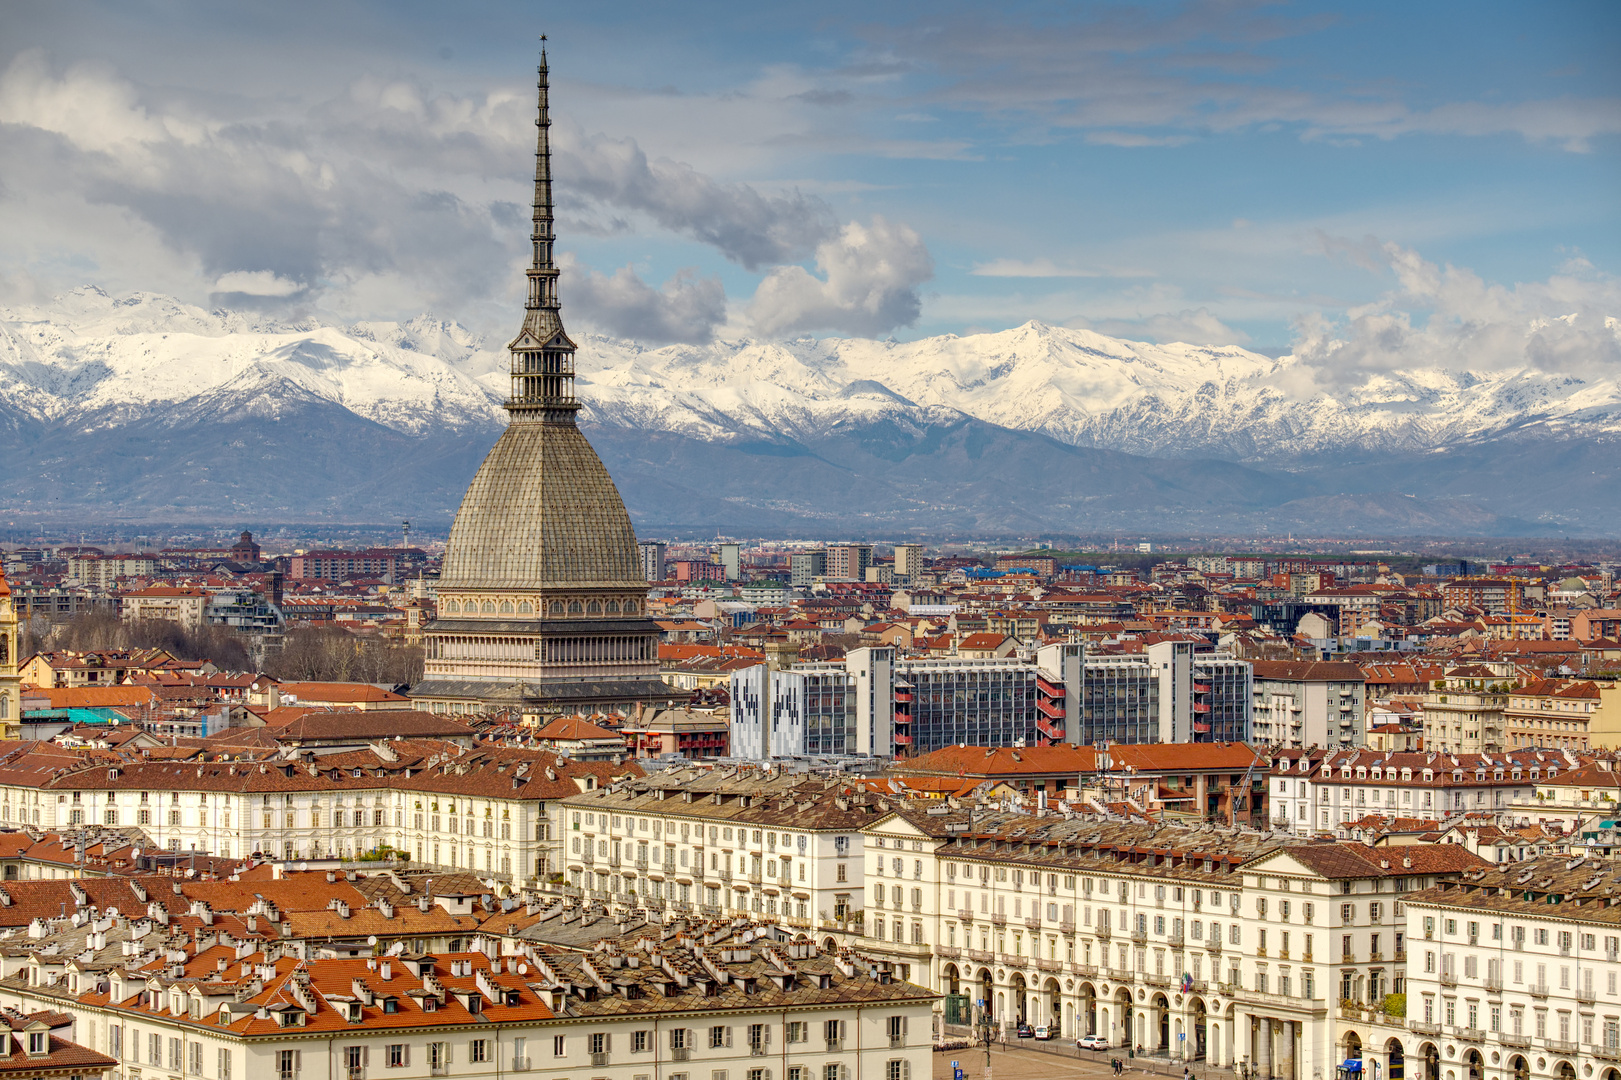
542 513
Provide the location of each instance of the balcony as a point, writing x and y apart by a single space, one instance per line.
681 1053
947 952
1421 1027
1376 957
1607 1053
1213 945
757 1050
599 1058
1066 926
1560 1046
1494 985
1514 1039
1474 1035
1157 980
1102 932
984 956
1033 922
1139 937
1084 969
1585 996
897 1042
520 1064
999 918
1049 965
835 1045
966 914
1448 979
1537 990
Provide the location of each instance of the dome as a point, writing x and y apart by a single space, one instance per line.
542 513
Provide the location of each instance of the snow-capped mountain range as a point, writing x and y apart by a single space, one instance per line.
144 368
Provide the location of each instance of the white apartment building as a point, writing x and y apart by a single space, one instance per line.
1087 927
1205 943
1464 713
764 843
488 811
1309 703
671 1010
1316 791
1514 974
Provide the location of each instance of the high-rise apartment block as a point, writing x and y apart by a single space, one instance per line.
804 567
849 562
652 559
730 559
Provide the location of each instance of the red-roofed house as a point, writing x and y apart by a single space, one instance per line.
581 739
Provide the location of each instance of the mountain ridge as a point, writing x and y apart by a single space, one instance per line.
417 403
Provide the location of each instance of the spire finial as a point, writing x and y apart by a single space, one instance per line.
542 354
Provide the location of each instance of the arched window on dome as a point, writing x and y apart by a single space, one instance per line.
525 608
452 606
557 607
506 607
630 607
489 607
574 607
613 607
594 608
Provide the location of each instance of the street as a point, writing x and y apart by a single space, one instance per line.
1055 1061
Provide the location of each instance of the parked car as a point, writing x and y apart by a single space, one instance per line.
1024 1031
1044 1032
1092 1042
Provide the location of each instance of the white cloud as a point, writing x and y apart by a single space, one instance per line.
743 224
1046 268
1133 139
1195 326
256 283
1444 316
869 286
686 309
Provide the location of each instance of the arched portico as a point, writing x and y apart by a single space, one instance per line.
1053 1014
1198 1039
1018 1004
1160 1024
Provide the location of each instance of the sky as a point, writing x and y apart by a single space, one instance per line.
1377 186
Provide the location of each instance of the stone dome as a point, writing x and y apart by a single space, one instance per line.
542 513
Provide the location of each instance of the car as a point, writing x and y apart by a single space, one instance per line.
1024 1031
1044 1032
1092 1042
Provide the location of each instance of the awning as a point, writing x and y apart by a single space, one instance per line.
1353 1065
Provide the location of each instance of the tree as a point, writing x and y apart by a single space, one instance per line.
329 654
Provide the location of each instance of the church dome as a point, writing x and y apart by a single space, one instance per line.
542 513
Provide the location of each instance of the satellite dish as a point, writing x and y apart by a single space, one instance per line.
523 969
372 940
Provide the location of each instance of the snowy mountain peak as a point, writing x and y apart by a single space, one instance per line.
119 359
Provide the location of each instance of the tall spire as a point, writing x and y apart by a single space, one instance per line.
542 354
